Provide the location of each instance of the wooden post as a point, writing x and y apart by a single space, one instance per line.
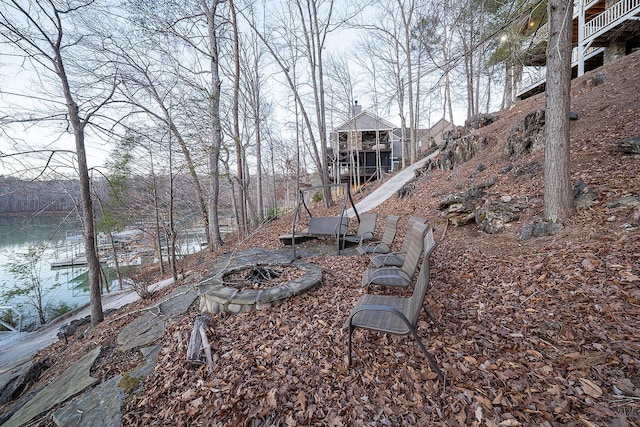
198 342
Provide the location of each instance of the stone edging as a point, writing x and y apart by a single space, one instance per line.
216 298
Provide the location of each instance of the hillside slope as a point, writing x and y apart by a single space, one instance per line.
544 331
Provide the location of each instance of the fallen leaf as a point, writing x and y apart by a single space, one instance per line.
590 388
302 400
271 398
628 276
510 423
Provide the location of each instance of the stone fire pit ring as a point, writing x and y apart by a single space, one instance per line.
215 297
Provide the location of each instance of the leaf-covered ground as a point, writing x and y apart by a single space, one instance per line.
538 332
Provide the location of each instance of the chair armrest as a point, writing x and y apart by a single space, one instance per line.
371 243
366 235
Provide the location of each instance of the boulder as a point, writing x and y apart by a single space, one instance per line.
531 168
486 184
525 136
537 228
583 196
628 145
596 80
480 120
493 217
460 208
462 149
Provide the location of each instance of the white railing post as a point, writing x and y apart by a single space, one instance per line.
581 39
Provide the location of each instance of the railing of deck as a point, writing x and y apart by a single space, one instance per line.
605 21
535 76
610 16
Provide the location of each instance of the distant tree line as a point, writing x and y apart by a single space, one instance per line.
20 196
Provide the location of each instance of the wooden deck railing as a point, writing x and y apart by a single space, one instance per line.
610 17
605 21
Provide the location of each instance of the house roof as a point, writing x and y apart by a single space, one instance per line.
365 121
441 125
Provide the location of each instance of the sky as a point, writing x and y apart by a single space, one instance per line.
14 80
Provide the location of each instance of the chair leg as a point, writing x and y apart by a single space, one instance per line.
432 361
433 319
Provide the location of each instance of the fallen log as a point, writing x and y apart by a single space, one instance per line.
199 349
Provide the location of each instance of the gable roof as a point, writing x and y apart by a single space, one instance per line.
441 125
365 121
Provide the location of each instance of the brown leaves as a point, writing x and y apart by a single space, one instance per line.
590 388
538 332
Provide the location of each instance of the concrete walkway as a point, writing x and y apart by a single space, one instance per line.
390 186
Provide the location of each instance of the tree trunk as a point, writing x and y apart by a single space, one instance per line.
202 204
216 127
93 263
156 209
115 262
242 214
558 198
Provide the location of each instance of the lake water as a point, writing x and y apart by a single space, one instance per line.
17 233
63 238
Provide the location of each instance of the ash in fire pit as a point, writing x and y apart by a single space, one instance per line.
259 275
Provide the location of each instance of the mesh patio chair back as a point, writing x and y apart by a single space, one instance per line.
396 259
414 249
395 314
384 244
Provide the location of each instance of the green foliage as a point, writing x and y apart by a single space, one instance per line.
57 310
8 317
514 25
113 216
272 213
317 197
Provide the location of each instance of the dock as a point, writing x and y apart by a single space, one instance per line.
79 261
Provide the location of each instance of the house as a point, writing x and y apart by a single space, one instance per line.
435 135
366 146
366 143
603 30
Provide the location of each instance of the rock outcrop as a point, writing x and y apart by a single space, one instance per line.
525 136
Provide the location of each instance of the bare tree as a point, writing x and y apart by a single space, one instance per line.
148 87
196 24
302 27
240 160
38 31
558 198
406 10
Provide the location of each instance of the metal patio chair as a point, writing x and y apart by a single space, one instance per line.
396 258
366 228
399 276
395 314
384 244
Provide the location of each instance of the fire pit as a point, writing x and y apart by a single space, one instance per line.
255 279
260 276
